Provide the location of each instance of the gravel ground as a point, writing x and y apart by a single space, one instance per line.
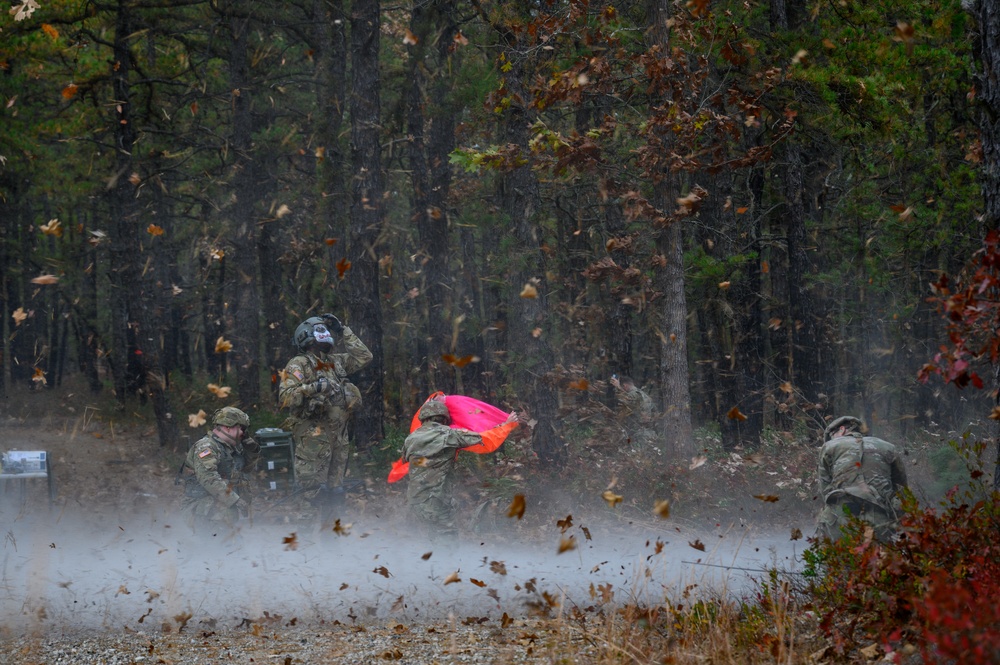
519 642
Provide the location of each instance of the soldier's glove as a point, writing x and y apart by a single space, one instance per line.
321 386
243 507
333 324
250 445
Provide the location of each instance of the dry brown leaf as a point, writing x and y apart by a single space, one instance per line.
45 279
566 544
612 498
734 414
452 578
19 315
696 462
565 524
661 508
767 498
291 542
196 419
222 345
529 291
517 506
698 545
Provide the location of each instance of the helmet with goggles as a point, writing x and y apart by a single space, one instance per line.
311 331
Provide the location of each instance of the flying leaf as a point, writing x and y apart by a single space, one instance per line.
217 254
459 362
154 230
196 419
741 210
796 534
698 545
426 555
612 498
498 568
135 179
330 242
995 413
452 578
799 56
517 506
566 544
696 462
45 279
282 211
536 332
341 529
39 376
765 267
661 508
767 498
460 39
69 91
580 385
478 583
24 10
410 39
724 285
786 387
50 31
383 571
222 392
343 265
291 542
734 414
529 291
53 228
222 345
565 524
18 315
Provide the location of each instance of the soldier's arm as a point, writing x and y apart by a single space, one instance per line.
898 473
206 469
357 355
295 386
825 472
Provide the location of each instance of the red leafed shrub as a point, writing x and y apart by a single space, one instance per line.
937 587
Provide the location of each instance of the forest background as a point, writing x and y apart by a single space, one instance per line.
751 207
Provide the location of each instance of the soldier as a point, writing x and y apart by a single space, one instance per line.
431 452
315 389
635 408
858 476
216 493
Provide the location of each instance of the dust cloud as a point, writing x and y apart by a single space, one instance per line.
63 571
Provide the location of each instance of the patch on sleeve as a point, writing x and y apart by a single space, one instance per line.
298 375
205 453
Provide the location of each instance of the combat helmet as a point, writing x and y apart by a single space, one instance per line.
433 408
305 333
230 416
849 422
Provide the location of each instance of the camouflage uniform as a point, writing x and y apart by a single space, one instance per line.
218 482
318 421
431 451
860 475
636 412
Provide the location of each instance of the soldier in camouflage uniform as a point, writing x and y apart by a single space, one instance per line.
635 408
216 493
431 452
858 476
315 389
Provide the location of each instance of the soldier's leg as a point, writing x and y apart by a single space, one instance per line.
339 449
312 455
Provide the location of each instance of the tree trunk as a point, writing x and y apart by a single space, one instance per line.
135 301
367 213
986 49
245 335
